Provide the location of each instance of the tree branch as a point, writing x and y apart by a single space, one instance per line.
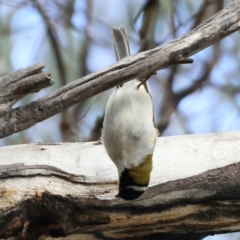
63 189
17 85
216 28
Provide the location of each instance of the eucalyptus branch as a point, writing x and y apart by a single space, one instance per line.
213 30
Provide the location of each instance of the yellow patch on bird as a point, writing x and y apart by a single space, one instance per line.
141 174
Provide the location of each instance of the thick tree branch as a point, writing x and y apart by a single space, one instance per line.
69 189
216 28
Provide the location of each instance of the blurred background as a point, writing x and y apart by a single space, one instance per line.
73 39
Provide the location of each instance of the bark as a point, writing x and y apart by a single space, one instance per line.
141 65
20 83
68 190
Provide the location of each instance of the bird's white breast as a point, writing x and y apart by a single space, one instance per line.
128 130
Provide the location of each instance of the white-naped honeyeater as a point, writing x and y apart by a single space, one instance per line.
129 129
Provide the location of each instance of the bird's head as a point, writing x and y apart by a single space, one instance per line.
134 181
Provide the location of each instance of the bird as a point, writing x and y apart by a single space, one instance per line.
129 128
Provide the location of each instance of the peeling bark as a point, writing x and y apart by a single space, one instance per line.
68 190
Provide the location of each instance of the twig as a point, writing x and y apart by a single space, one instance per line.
55 44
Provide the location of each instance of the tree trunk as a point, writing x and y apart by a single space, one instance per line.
68 190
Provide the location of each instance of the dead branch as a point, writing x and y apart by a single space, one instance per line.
68 190
20 83
213 30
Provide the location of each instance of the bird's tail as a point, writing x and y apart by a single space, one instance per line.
122 49
121 44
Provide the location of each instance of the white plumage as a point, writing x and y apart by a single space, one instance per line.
130 133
